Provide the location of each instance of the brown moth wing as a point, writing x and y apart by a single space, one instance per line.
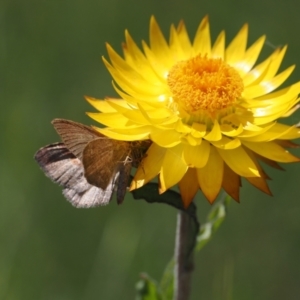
95 164
138 150
123 181
75 135
62 167
103 158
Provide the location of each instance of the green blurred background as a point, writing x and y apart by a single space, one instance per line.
50 57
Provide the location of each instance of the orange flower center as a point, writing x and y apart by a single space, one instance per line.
204 84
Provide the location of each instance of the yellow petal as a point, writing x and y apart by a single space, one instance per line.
191 140
117 107
173 168
211 175
236 49
251 55
278 131
161 68
158 116
134 50
260 183
137 117
271 150
239 161
275 64
139 61
165 138
230 130
196 156
292 133
181 127
215 134
127 134
255 75
291 111
177 52
128 74
255 129
149 167
149 100
188 186
200 130
184 39
227 143
114 120
231 183
251 133
202 43
267 115
103 105
267 86
124 68
276 98
274 108
158 44
132 82
218 49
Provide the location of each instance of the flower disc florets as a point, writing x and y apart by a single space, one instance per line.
203 84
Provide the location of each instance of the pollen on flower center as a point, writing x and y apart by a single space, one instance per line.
204 84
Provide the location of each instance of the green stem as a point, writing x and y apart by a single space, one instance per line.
183 257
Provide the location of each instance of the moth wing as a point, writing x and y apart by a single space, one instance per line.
123 181
63 168
86 195
102 160
75 135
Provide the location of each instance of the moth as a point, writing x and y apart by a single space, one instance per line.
88 165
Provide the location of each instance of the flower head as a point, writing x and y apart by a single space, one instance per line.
210 110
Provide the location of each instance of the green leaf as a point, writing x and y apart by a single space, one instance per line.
147 289
214 220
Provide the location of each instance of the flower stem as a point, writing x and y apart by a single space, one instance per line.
183 257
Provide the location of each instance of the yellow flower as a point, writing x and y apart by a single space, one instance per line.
210 112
